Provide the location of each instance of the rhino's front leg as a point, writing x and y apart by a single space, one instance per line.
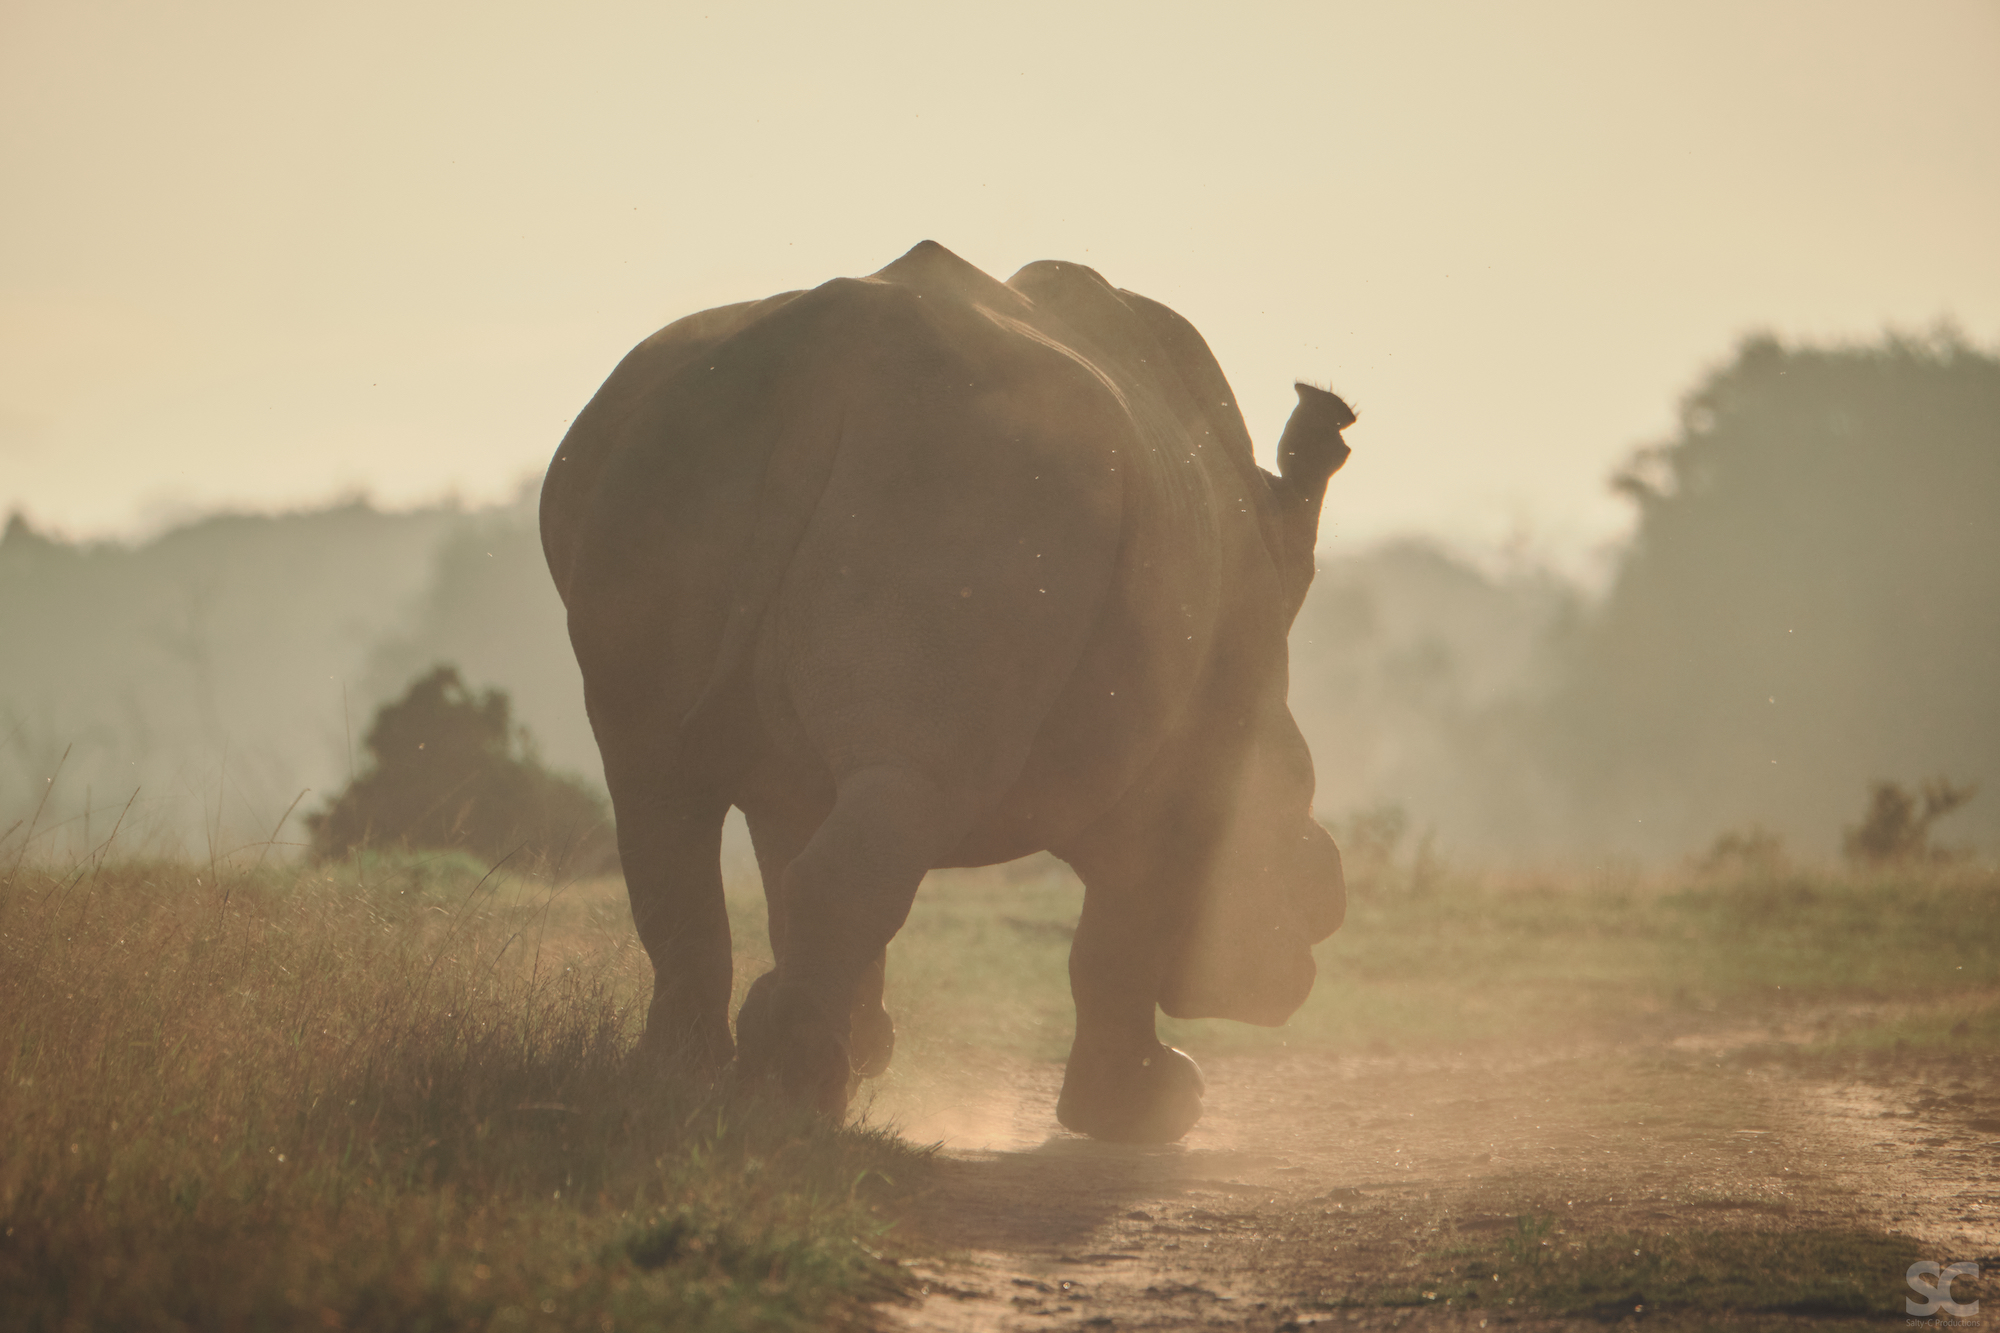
1122 1083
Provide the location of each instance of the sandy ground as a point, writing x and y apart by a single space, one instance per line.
1315 1177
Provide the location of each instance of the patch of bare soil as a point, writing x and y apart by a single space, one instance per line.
1315 1182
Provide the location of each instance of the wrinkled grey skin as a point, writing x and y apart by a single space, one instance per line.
923 570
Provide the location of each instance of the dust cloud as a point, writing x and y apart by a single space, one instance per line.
985 1104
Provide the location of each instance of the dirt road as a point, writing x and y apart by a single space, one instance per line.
1316 1184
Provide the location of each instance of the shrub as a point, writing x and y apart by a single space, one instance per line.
1753 851
449 769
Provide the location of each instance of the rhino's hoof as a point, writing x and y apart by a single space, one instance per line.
785 1038
814 1071
1147 1098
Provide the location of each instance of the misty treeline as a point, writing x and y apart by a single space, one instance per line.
1809 606
237 664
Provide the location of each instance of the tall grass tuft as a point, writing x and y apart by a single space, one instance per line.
398 1099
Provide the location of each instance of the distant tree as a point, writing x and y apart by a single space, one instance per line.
449 769
1897 827
1812 595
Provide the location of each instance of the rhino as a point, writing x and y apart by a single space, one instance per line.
926 570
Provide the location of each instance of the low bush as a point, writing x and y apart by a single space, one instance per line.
449 769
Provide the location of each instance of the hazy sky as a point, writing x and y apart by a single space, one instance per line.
260 254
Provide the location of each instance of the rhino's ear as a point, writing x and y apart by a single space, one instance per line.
1315 399
1311 450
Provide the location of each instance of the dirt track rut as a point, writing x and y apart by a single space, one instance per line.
1314 1178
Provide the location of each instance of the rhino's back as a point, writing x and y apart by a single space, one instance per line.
702 509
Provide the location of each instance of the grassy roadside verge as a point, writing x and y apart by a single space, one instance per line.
1440 958
392 1096
1462 959
1535 1265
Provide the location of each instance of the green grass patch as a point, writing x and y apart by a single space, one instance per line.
1533 1267
1433 957
1453 959
1450 959
1458 960
391 1095
1954 1026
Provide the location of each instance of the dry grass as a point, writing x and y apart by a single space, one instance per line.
392 1096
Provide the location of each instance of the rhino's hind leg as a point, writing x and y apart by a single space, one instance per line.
873 1031
778 842
841 900
671 846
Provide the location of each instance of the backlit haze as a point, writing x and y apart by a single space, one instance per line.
259 256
